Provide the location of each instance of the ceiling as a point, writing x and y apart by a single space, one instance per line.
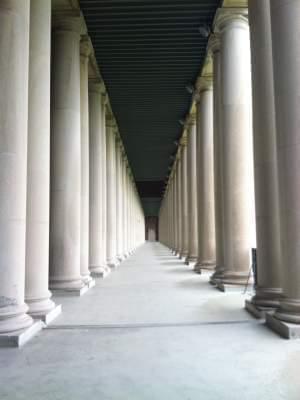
148 51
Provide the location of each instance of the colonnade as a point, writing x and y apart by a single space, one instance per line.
69 208
247 161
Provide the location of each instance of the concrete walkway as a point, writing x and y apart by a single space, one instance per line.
153 330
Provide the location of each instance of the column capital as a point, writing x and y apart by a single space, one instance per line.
110 119
191 120
214 42
67 20
226 16
183 140
96 85
85 46
204 83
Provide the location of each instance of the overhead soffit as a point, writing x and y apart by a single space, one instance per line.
148 52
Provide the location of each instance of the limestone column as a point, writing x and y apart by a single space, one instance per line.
124 207
85 50
179 207
119 199
205 171
175 210
37 295
214 49
173 216
111 248
103 212
14 58
127 211
171 211
184 202
192 192
286 63
237 146
268 287
65 157
97 263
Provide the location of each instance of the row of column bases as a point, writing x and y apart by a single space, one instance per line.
208 211
68 214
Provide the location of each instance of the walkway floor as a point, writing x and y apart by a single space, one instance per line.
153 330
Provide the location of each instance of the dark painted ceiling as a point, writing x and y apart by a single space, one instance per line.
148 52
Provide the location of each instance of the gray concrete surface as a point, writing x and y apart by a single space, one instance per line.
153 330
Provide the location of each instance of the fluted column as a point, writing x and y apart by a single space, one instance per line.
37 295
192 191
65 157
268 286
14 58
85 51
97 251
214 50
184 201
205 171
237 155
111 247
286 63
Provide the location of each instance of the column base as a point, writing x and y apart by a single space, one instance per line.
88 280
232 280
267 297
121 258
48 317
257 311
287 330
100 272
19 338
113 264
183 255
39 306
190 260
204 265
232 287
197 269
217 276
76 292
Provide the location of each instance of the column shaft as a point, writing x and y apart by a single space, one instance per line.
268 289
214 47
184 203
179 207
14 60
285 33
65 157
97 263
84 122
205 171
192 193
237 159
111 196
37 295
119 198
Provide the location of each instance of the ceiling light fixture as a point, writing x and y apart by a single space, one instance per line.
204 30
190 88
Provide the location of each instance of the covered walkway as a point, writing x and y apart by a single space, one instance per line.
153 330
